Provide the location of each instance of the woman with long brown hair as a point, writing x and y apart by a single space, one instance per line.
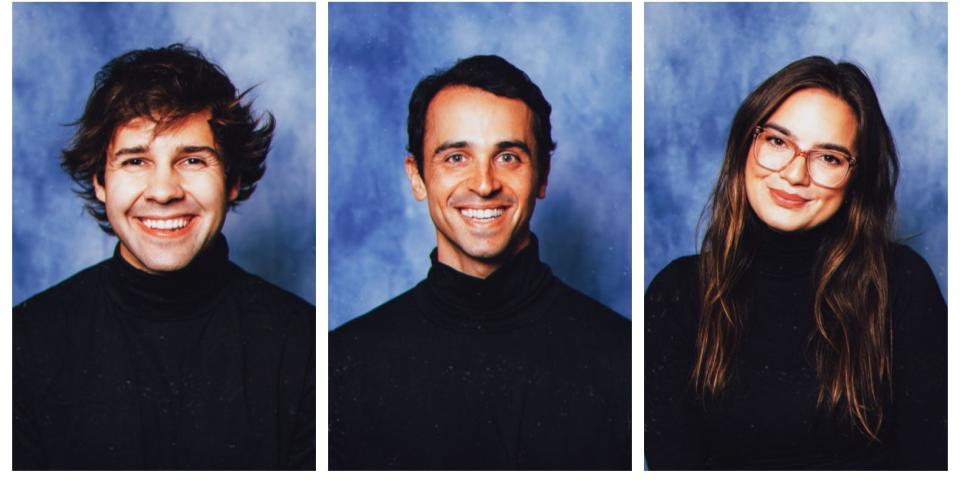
801 336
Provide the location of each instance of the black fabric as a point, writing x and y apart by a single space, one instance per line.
207 367
517 370
767 417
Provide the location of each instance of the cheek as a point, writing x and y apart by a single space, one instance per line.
121 191
207 188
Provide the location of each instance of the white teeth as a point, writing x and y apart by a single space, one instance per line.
483 213
171 224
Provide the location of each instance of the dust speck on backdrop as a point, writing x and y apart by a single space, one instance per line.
579 55
57 49
691 95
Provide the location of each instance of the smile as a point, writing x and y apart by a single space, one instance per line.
787 200
481 213
166 225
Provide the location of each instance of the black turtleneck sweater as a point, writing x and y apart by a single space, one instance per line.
517 370
767 416
206 367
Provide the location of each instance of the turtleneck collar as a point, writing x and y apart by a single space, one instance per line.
178 295
494 302
789 253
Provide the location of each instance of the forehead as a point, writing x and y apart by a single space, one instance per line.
815 116
193 129
461 113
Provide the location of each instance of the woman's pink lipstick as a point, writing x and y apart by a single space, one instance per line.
787 200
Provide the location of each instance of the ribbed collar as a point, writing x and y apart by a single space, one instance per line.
505 298
179 295
791 253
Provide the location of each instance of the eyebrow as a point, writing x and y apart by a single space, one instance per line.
500 145
830 146
131 150
514 144
199 148
141 149
449 145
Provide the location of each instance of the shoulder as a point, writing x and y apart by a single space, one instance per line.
265 293
576 303
52 304
906 264
260 299
383 320
672 302
917 301
677 279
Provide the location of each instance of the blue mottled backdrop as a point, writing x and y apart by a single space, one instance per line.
579 55
57 49
702 60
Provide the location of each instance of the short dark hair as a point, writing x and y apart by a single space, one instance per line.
492 74
166 85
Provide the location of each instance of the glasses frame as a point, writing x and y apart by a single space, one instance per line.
797 152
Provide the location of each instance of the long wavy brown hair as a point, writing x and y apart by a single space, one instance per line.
853 339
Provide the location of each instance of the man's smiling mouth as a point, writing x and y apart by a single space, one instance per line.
166 224
481 213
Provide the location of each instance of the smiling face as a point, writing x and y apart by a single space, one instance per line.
164 192
479 177
787 200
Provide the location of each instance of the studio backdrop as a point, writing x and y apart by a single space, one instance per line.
702 60
57 49
578 54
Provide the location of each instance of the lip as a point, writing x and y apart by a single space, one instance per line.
787 200
163 232
483 222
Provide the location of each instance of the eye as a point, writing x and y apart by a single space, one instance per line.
132 162
775 141
194 161
831 159
508 157
455 158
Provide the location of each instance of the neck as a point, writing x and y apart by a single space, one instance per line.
459 260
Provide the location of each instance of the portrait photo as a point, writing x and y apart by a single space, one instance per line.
269 48
380 236
164 233
795 236
449 294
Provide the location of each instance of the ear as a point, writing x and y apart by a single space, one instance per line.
98 190
542 192
416 181
234 191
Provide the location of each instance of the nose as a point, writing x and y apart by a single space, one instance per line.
164 186
796 172
484 181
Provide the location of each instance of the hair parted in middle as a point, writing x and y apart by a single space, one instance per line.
166 85
492 74
852 343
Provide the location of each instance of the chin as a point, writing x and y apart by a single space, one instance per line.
164 264
484 250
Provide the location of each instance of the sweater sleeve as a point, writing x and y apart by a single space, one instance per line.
672 419
919 364
27 454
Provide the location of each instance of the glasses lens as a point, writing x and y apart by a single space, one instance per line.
774 151
827 167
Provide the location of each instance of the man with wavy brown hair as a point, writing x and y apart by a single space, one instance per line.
166 355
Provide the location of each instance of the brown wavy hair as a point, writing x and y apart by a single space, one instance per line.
853 339
166 85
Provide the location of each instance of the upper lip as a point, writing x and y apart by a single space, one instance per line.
164 217
480 207
789 196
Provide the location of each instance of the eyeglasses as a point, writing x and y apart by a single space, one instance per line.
826 167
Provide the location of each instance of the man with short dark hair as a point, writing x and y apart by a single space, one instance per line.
167 355
491 361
